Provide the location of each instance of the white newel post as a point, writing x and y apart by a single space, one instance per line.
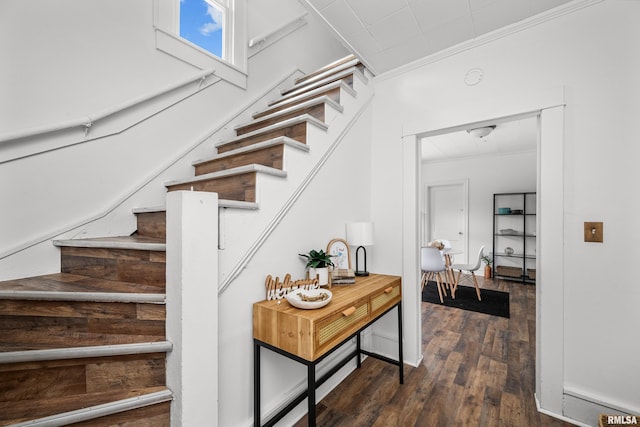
192 307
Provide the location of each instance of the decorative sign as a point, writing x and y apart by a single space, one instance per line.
278 290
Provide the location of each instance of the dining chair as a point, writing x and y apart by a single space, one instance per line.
433 265
469 268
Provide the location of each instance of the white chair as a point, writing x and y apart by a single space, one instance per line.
432 266
469 268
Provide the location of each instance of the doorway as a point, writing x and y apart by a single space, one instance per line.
549 264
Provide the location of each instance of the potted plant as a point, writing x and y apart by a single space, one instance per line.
487 266
318 263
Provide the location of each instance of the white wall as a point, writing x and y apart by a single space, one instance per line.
592 54
486 175
77 58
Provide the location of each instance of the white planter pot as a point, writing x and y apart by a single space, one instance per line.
322 273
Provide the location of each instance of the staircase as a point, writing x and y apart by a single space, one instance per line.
87 346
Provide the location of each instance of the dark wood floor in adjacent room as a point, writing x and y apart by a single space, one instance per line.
478 370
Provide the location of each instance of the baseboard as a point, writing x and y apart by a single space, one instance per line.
557 416
586 407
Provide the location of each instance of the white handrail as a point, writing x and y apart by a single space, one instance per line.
88 120
254 41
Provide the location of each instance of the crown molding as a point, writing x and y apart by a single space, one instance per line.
492 36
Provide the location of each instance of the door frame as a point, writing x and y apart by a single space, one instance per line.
549 107
425 228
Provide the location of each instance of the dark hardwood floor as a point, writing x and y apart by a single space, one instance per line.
478 370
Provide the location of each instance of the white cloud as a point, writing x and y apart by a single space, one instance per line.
217 17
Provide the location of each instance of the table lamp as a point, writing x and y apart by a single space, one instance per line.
360 234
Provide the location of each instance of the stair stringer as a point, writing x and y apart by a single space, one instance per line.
243 232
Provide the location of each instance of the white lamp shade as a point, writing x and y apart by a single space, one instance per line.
360 233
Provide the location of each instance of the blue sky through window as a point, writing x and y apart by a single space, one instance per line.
201 23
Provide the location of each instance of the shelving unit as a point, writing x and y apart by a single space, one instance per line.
514 236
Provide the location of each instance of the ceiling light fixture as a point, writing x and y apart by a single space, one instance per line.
481 132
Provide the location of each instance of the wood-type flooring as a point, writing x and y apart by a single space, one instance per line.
478 370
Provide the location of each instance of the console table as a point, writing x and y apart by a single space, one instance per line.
308 336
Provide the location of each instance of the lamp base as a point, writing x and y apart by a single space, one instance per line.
361 273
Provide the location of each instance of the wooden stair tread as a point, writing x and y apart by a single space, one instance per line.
279 102
281 140
229 172
302 119
15 411
60 283
347 61
116 242
346 74
222 203
291 111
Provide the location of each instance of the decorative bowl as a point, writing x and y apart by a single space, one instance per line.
309 299
508 251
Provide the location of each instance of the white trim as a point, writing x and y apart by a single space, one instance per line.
186 51
84 352
222 203
483 39
550 195
310 103
98 411
337 34
279 102
123 297
285 140
283 124
557 416
411 271
110 244
230 172
233 68
192 299
308 85
601 401
329 69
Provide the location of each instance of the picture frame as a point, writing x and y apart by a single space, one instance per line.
341 254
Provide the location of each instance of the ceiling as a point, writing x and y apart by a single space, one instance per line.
511 137
386 34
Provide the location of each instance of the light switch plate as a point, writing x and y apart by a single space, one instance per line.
593 232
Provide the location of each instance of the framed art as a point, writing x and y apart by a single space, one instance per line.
341 255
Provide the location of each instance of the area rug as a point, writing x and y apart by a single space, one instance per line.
495 303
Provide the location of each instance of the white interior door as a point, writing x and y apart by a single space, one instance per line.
447 215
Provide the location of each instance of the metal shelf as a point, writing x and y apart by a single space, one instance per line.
524 230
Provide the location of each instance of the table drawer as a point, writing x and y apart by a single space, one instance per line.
386 298
342 322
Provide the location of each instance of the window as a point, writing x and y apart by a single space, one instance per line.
208 34
202 22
